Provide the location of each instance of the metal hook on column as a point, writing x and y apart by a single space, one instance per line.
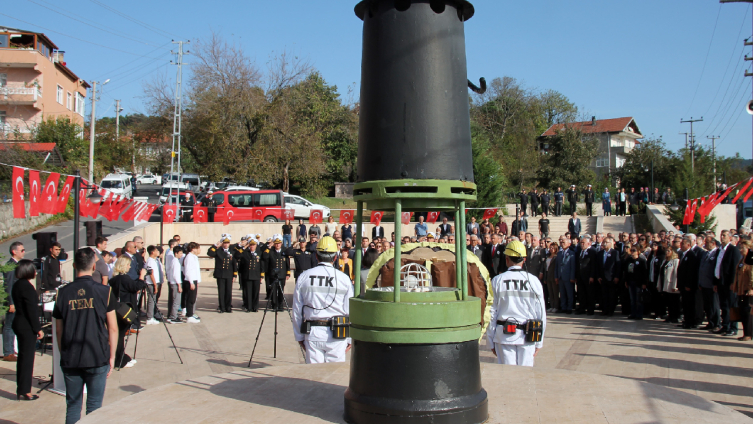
475 89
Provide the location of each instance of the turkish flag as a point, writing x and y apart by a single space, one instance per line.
686 219
19 208
694 208
104 208
346 216
229 214
94 210
129 213
117 208
742 190
315 217
376 217
406 216
287 214
146 212
745 199
432 217
50 194
200 214
489 213
34 190
725 195
258 215
64 194
168 213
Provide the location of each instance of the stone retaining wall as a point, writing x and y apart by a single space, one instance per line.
10 226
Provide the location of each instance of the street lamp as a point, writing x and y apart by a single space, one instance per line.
95 198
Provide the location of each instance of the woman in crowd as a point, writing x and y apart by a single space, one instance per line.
126 291
502 226
347 231
666 284
344 263
486 227
368 260
330 227
301 230
287 234
606 202
743 287
654 261
551 284
636 276
26 326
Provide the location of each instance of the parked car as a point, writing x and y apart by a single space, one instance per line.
249 205
118 184
171 187
303 207
149 179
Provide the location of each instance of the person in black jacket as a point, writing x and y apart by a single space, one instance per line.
572 198
302 258
585 271
608 269
250 268
26 326
588 197
687 282
126 290
51 268
523 196
636 276
276 266
534 202
225 271
726 269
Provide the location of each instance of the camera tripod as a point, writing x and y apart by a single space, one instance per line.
275 288
135 348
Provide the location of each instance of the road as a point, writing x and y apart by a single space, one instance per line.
65 229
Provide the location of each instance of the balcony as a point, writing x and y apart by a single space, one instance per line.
20 95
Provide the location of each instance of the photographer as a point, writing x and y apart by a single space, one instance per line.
322 294
51 267
126 290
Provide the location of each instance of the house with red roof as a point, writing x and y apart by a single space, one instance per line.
48 152
616 136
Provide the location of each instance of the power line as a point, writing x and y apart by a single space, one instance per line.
139 77
742 99
137 60
75 38
136 21
703 69
730 107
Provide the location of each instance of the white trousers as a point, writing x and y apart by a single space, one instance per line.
515 354
321 352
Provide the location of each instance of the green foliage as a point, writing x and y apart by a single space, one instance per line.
68 137
570 153
487 172
637 169
696 226
3 294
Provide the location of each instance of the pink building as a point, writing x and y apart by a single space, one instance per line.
35 84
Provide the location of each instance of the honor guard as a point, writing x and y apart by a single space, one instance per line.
237 250
276 269
225 271
250 275
320 308
303 258
518 315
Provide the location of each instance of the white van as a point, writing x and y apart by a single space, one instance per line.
118 184
175 187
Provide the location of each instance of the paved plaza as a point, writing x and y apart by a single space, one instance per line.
671 359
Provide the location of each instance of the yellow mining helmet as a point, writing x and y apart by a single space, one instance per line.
515 249
327 245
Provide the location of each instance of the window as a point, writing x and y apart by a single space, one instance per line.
219 199
3 80
240 200
270 199
68 100
2 120
78 104
59 96
602 162
4 41
619 162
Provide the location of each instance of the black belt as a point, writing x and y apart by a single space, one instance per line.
520 326
320 323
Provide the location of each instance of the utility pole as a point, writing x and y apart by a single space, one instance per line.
686 140
177 114
748 41
713 155
692 140
92 126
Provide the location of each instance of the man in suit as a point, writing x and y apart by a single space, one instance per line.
588 197
564 275
608 268
130 250
225 270
536 255
572 198
17 252
494 255
545 198
523 196
584 277
724 275
574 226
475 247
534 197
102 271
377 231
445 227
700 253
687 282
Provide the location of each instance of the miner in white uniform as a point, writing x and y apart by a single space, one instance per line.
322 295
518 315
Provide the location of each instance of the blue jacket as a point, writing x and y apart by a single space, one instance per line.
565 265
574 226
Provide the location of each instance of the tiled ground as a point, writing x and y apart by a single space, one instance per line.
714 368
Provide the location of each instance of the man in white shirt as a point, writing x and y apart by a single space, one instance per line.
175 282
152 282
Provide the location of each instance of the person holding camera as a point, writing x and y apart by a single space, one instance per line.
276 270
225 271
51 267
321 308
518 314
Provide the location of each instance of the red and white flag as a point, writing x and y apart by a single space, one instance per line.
50 194
741 191
34 193
316 216
346 216
406 216
376 217
168 213
19 208
129 213
147 212
287 214
104 207
64 195
118 208
686 218
745 199
489 213
229 214
200 214
432 217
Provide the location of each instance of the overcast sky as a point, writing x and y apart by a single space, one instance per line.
657 61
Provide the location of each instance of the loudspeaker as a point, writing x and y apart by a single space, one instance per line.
749 107
44 242
93 230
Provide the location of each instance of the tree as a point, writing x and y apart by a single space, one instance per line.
567 162
696 226
487 172
68 137
637 169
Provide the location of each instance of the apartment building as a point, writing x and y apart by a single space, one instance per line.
35 83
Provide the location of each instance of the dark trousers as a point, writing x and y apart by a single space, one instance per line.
27 342
624 294
688 306
607 297
586 296
524 208
573 207
534 209
121 358
636 306
744 303
558 208
8 334
727 299
672 300
589 209
623 207
545 208
95 380
711 307
190 297
251 294
225 294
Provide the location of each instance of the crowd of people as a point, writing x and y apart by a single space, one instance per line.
619 203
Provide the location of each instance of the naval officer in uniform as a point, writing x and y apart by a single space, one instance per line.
322 295
225 271
276 266
250 269
518 300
